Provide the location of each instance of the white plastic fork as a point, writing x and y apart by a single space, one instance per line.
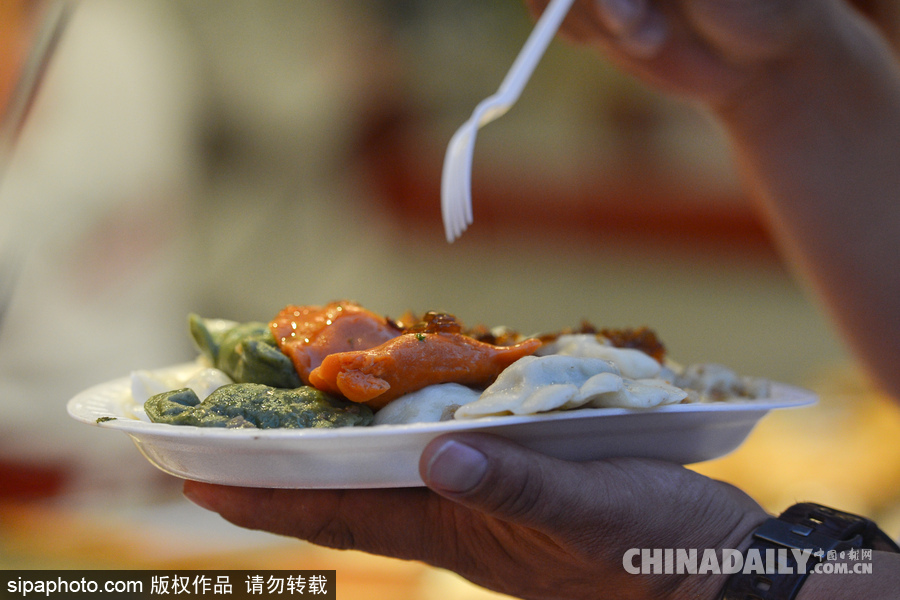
456 179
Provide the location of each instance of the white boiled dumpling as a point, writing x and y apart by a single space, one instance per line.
536 384
641 393
203 381
428 405
631 363
206 381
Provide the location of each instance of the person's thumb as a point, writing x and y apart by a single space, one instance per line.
505 480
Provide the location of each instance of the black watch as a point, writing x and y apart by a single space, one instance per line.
816 530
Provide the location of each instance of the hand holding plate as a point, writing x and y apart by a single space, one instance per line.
515 521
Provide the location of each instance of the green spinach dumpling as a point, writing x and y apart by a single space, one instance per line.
247 352
241 405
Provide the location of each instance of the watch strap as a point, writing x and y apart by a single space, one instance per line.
807 527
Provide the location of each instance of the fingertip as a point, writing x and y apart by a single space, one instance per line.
494 476
452 467
196 493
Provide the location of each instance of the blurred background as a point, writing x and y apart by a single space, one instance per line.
229 157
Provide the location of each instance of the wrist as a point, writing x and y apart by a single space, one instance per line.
801 542
709 586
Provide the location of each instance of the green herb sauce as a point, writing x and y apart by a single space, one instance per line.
252 405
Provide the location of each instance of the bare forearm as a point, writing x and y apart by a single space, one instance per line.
820 143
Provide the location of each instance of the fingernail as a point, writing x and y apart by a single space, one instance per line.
646 40
620 15
456 468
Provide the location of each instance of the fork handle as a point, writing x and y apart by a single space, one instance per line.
535 46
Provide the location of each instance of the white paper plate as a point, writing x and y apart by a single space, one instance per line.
388 455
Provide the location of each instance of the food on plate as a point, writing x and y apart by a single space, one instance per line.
631 363
640 338
146 384
246 352
431 404
413 361
343 365
307 334
253 405
537 384
713 382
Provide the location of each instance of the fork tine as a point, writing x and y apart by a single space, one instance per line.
464 177
449 183
465 204
462 193
456 198
445 194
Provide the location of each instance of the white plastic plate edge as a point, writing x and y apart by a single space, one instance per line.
388 455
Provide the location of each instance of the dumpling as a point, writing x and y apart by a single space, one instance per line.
204 381
536 384
633 364
639 393
427 405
